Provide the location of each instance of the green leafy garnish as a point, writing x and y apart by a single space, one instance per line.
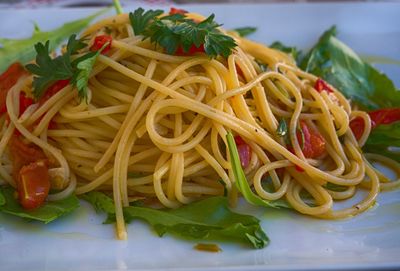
22 50
293 51
176 31
49 70
2 199
241 181
382 138
336 63
208 219
50 211
282 130
245 31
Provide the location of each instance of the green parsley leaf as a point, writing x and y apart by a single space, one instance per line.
49 70
245 31
22 50
49 212
241 181
173 32
140 19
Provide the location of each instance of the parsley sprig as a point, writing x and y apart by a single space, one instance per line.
48 70
177 31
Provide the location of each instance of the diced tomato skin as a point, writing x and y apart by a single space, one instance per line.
357 125
99 42
192 50
23 154
53 89
384 116
8 79
321 85
173 11
24 102
314 143
33 185
378 117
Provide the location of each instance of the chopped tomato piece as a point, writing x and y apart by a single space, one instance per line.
8 79
192 50
53 89
378 117
321 85
99 42
244 151
33 184
173 11
314 143
23 154
384 116
24 102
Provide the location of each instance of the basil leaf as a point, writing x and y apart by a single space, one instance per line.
50 211
241 181
209 219
336 63
22 50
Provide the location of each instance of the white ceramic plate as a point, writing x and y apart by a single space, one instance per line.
369 241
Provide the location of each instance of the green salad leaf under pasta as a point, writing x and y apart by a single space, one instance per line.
208 219
46 213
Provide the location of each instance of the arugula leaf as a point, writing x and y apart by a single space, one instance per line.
100 201
282 128
381 138
22 50
245 31
208 219
241 181
2 199
49 212
336 63
173 32
293 51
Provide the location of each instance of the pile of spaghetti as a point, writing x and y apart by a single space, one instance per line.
151 121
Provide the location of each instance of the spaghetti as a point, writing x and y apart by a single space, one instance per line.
154 126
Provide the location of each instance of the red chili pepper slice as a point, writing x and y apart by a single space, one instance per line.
173 11
321 85
99 42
